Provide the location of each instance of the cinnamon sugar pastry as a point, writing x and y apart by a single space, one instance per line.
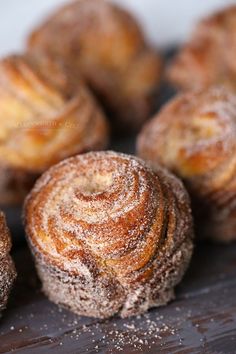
105 44
41 123
56 72
108 234
194 135
7 268
209 57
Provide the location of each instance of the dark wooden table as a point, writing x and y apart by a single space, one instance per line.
202 319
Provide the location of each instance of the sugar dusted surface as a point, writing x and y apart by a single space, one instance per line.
117 245
207 59
194 136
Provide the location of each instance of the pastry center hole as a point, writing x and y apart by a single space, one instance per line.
94 184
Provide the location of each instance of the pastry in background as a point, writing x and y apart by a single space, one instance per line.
194 135
209 56
104 44
7 268
108 234
41 123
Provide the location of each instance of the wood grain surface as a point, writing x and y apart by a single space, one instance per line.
202 319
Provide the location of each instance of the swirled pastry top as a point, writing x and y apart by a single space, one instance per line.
105 44
40 125
194 135
209 57
107 213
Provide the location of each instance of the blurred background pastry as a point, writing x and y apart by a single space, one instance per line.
165 23
104 44
41 123
194 135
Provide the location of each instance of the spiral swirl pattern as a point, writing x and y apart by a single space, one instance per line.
195 136
118 232
41 125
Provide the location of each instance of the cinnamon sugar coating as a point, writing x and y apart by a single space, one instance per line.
41 123
109 235
209 56
106 46
194 136
7 268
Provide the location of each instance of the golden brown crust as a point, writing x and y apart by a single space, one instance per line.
108 234
7 268
41 126
209 57
194 135
104 44
56 73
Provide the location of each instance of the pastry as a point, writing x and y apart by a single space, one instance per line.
7 268
209 57
194 136
109 235
104 44
56 72
41 125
